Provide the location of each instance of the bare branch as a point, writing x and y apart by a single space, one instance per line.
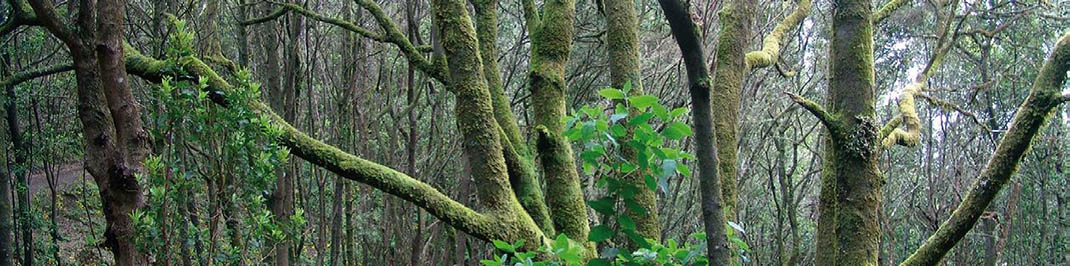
944 104
46 14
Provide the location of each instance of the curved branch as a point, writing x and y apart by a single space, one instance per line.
1043 98
278 12
826 118
21 14
909 135
395 36
887 9
944 104
20 77
45 13
770 52
488 226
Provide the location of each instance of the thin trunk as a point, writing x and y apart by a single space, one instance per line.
6 246
412 97
698 76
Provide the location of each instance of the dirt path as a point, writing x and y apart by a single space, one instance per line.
65 176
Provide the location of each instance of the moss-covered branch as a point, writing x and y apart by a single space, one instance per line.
21 14
908 132
887 9
1043 98
949 107
827 119
771 45
20 77
486 226
278 12
531 15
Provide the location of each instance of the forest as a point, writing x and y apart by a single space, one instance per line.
535 132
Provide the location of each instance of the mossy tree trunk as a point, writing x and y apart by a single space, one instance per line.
848 231
551 41
729 71
522 174
622 34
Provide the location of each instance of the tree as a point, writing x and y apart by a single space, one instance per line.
116 142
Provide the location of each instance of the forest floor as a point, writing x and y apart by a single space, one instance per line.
65 176
78 224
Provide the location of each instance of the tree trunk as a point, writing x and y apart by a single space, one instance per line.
121 193
551 41
622 33
848 227
6 246
690 42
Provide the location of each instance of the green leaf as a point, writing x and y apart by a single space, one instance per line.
618 131
660 111
611 93
635 207
683 169
603 206
561 242
641 102
640 119
676 130
600 233
638 239
504 246
677 112
599 262
651 182
626 222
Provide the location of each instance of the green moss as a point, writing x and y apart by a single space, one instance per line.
550 46
771 45
729 73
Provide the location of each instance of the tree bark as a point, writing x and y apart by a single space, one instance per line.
848 228
690 42
622 33
551 42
